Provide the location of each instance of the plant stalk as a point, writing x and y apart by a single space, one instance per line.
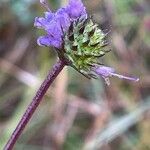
34 104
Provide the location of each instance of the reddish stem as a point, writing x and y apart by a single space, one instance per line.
34 104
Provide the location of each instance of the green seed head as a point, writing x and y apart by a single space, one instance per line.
84 44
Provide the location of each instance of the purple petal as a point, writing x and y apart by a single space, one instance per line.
75 9
63 19
49 16
44 41
54 30
40 22
48 41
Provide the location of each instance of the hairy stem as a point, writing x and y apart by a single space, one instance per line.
34 104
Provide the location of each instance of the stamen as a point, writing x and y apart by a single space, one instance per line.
125 77
45 4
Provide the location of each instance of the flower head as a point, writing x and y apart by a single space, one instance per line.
77 39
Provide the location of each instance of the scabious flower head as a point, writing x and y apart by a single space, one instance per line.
77 39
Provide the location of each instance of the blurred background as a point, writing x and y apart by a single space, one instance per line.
76 113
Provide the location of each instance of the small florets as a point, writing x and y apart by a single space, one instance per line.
56 24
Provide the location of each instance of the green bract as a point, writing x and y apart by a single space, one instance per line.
84 43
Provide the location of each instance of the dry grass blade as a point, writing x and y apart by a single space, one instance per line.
118 127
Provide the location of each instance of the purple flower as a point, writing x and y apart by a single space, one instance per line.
107 72
56 24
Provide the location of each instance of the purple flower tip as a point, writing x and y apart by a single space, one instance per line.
75 9
107 72
43 41
104 71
